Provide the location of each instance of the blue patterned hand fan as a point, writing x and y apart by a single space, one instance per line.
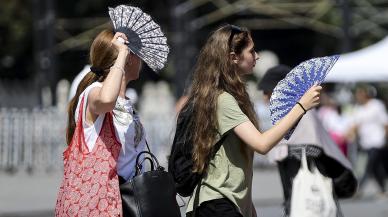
300 79
145 37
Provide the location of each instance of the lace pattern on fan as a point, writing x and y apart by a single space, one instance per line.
145 37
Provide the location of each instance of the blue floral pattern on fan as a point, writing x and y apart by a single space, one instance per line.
300 79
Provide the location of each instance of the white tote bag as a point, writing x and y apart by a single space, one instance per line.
312 193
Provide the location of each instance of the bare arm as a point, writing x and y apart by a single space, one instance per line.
351 133
386 129
102 100
263 142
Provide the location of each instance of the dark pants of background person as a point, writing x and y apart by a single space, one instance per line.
375 168
216 208
289 167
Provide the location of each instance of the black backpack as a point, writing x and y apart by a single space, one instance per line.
180 162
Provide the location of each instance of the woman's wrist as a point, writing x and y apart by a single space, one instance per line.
121 60
123 52
118 68
301 107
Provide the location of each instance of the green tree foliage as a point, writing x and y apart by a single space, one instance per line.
15 38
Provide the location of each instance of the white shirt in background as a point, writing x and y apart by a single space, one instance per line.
371 119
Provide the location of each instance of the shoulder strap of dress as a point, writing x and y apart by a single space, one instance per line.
108 122
79 128
80 111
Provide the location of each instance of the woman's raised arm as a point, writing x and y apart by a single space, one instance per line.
264 142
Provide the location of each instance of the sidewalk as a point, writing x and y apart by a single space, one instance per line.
24 193
33 195
267 196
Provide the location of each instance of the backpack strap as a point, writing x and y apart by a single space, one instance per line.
217 146
196 199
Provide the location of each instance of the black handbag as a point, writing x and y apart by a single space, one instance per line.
151 193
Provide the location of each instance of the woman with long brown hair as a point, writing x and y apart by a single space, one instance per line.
104 133
222 109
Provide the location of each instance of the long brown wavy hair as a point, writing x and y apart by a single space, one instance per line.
102 56
215 73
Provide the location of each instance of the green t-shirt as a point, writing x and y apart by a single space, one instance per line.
230 171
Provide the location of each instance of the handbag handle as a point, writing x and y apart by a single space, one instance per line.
304 164
152 159
140 165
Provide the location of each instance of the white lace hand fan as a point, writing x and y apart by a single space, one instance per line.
145 37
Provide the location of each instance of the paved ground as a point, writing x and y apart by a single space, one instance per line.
22 194
268 204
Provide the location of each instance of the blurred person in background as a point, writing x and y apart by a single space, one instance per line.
370 121
180 103
77 79
320 149
222 109
335 123
266 85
